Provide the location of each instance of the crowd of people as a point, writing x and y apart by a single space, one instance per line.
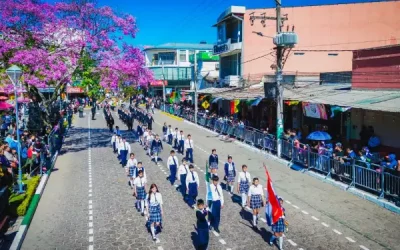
149 200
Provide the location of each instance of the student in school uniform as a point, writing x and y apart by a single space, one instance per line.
165 130
118 141
156 147
113 142
213 159
150 139
131 169
139 131
124 149
243 186
181 145
217 203
183 170
278 229
169 134
140 168
176 134
230 174
189 148
173 166
117 130
256 199
145 135
192 186
202 225
140 191
154 208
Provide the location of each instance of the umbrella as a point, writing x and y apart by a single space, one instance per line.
23 100
319 136
5 106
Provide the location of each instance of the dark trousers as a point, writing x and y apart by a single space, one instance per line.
172 176
130 125
176 143
170 139
183 184
189 154
216 214
93 114
181 146
203 235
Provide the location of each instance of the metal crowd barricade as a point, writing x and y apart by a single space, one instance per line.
370 178
321 163
287 147
391 183
249 136
231 129
259 139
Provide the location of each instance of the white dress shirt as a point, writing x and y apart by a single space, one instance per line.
189 179
230 166
183 169
189 143
117 142
171 161
256 190
175 134
150 138
242 177
139 182
169 131
155 199
124 146
145 134
113 138
181 137
131 162
217 193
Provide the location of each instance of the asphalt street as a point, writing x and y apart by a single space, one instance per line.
87 203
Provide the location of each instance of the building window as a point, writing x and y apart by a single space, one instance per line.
332 54
182 56
299 53
167 57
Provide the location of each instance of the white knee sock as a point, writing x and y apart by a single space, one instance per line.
254 220
232 189
244 197
142 206
280 242
153 231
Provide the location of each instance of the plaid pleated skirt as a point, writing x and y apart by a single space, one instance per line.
213 165
231 176
154 214
141 194
279 226
244 187
156 149
131 171
255 201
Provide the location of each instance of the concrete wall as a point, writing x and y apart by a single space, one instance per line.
344 26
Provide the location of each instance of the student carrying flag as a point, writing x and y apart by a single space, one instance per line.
208 190
274 213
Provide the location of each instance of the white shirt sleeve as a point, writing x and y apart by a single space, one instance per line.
159 198
196 176
222 194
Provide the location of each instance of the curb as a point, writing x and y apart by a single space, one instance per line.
364 195
173 116
20 236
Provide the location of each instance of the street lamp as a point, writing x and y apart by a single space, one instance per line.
15 73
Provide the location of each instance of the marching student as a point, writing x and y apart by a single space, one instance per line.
139 131
213 159
131 169
113 142
189 148
181 145
217 203
169 134
192 186
183 170
165 130
230 174
202 225
140 191
278 229
149 140
154 209
124 149
156 147
176 134
140 167
173 166
117 131
243 184
118 141
145 134
256 199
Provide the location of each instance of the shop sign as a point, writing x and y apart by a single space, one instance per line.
74 90
221 48
158 83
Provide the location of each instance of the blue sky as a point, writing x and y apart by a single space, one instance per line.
189 21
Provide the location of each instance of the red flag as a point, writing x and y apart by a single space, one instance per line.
274 210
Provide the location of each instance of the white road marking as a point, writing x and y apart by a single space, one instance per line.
324 224
263 220
90 185
215 233
295 206
90 206
160 248
301 249
201 170
90 212
90 238
292 243
314 218
90 195
288 202
176 185
90 231
222 241
90 247
304 212
90 190
157 240
91 218
90 201
363 247
336 231
350 239
90 224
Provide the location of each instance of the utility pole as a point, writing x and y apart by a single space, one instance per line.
279 87
195 87
163 85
